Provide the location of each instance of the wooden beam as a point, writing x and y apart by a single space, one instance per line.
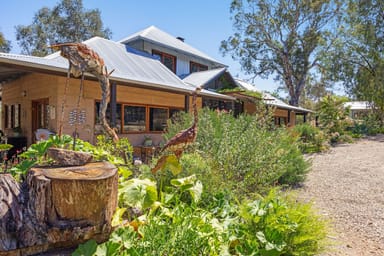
113 104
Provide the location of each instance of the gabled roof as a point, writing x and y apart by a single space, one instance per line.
357 105
204 77
269 99
155 35
128 67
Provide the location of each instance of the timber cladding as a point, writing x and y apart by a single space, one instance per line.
37 86
280 112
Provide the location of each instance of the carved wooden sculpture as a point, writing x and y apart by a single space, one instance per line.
178 143
83 59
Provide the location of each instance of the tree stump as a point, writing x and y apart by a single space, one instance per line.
63 207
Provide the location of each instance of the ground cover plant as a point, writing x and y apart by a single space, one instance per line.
174 219
310 139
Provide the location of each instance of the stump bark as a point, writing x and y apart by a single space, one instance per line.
57 208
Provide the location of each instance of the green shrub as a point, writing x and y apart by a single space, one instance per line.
333 116
311 139
273 225
279 225
243 153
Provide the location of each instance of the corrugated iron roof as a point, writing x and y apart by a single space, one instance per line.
156 35
203 77
268 98
357 105
129 67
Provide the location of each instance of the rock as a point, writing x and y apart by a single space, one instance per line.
66 157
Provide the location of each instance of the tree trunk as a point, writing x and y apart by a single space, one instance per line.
57 208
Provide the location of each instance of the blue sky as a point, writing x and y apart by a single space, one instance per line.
203 24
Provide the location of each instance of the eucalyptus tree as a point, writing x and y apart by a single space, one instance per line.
283 38
5 45
358 57
68 21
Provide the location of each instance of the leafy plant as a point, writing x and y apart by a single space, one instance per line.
242 154
311 139
279 225
332 114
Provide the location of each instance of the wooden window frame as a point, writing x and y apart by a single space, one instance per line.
163 55
12 115
201 67
147 115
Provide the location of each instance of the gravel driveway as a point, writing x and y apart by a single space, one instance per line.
346 184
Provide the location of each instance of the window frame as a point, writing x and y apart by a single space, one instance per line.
12 115
162 57
199 66
147 115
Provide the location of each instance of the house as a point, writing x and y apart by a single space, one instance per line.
153 78
358 109
198 69
144 94
284 114
193 66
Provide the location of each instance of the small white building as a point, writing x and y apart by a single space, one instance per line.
358 109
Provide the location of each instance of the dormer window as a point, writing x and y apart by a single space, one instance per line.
168 60
196 67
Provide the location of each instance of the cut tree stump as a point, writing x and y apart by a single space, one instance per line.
61 208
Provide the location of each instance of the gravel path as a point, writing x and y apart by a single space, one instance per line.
346 184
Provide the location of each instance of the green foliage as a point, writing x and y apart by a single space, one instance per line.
273 225
5 45
311 139
333 117
283 38
279 225
119 154
242 154
68 21
357 60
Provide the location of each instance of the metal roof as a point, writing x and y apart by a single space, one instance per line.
203 77
159 37
268 98
129 67
357 105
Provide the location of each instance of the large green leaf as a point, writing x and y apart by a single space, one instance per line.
138 193
86 249
172 163
190 184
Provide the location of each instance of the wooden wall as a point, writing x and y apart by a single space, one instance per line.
33 86
39 86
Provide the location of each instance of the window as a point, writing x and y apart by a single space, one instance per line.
280 121
134 119
12 115
196 67
117 125
168 60
158 119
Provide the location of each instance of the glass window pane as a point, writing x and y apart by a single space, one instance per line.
169 62
108 116
134 119
158 119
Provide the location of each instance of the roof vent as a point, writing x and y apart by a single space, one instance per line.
180 38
